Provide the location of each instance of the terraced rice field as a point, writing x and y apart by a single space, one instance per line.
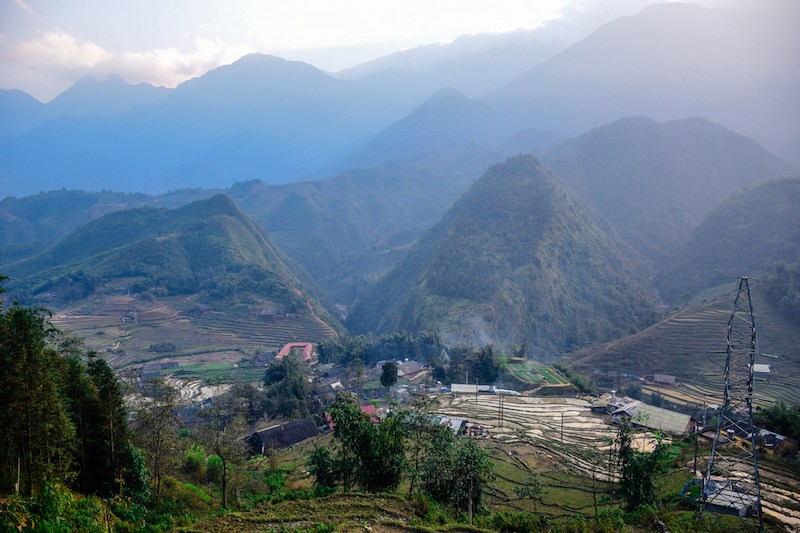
562 428
687 344
536 373
122 328
529 438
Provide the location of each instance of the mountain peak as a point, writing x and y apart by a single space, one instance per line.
516 251
220 204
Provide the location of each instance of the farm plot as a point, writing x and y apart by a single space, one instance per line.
206 342
525 371
561 427
536 373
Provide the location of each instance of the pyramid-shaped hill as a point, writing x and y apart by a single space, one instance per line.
202 269
516 260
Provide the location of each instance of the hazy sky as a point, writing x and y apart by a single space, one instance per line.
45 45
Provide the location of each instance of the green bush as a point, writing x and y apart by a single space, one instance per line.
14 514
611 520
213 468
521 522
195 461
429 510
274 482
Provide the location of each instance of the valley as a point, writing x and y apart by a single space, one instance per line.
506 263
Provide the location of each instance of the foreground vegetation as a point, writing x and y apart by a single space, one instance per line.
76 457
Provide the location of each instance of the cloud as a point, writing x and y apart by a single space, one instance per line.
23 5
171 66
64 58
61 51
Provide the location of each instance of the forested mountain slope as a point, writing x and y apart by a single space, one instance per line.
655 182
745 236
208 247
517 259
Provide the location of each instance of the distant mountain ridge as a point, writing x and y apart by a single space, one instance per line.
22 113
280 121
517 259
261 117
746 236
656 182
735 65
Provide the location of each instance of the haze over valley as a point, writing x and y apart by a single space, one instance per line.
585 190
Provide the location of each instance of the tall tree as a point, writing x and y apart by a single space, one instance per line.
225 441
286 388
638 469
63 419
38 436
115 437
457 471
156 430
369 455
84 409
389 375
420 430
223 434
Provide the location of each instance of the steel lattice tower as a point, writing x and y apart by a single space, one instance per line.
731 483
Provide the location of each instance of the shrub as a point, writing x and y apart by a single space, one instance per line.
195 461
213 468
274 482
521 522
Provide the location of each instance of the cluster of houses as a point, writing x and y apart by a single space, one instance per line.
650 417
614 409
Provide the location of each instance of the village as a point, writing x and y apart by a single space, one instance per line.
552 420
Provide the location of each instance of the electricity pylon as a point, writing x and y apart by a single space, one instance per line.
731 483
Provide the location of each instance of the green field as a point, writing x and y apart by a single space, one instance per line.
536 373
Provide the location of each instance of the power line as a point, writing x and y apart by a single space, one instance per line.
731 482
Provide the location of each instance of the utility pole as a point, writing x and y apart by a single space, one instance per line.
731 482
500 401
562 427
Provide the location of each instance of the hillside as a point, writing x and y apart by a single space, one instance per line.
517 259
50 216
350 229
192 268
745 236
346 230
683 345
656 182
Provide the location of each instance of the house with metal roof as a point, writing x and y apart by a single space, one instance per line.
664 379
282 436
651 417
